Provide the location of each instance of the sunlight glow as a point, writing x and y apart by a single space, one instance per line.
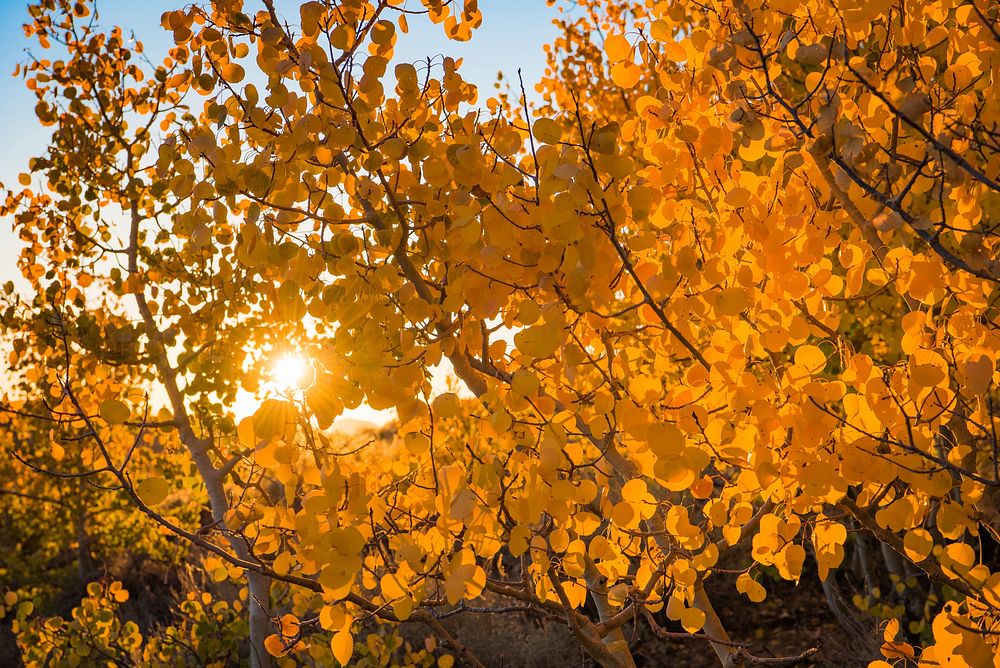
285 375
245 405
291 372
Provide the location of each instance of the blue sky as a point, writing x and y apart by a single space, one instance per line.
511 37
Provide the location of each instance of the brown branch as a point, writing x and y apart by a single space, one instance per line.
927 565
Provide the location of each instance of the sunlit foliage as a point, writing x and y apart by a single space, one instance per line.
727 291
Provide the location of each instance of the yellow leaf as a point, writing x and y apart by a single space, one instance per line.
547 130
382 32
617 48
274 645
324 399
958 557
978 373
519 537
275 417
152 491
753 590
660 30
738 197
625 515
918 544
403 608
790 561
289 625
692 619
731 301
528 312
634 491
810 357
828 539
524 383
118 593
731 534
245 433
673 474
446 405
665 439
282 563
332 618
416 443
929 373
753 152
775 338
626 74
394 148
114 411
538 341
233 73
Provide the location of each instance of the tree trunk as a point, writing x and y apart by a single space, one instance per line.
258 586
615 639
260 618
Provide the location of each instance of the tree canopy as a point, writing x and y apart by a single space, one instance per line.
719 300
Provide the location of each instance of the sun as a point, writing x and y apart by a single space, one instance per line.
286 375
291 372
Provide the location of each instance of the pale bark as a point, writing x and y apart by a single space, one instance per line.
258 585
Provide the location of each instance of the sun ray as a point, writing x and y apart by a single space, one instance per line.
291 372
